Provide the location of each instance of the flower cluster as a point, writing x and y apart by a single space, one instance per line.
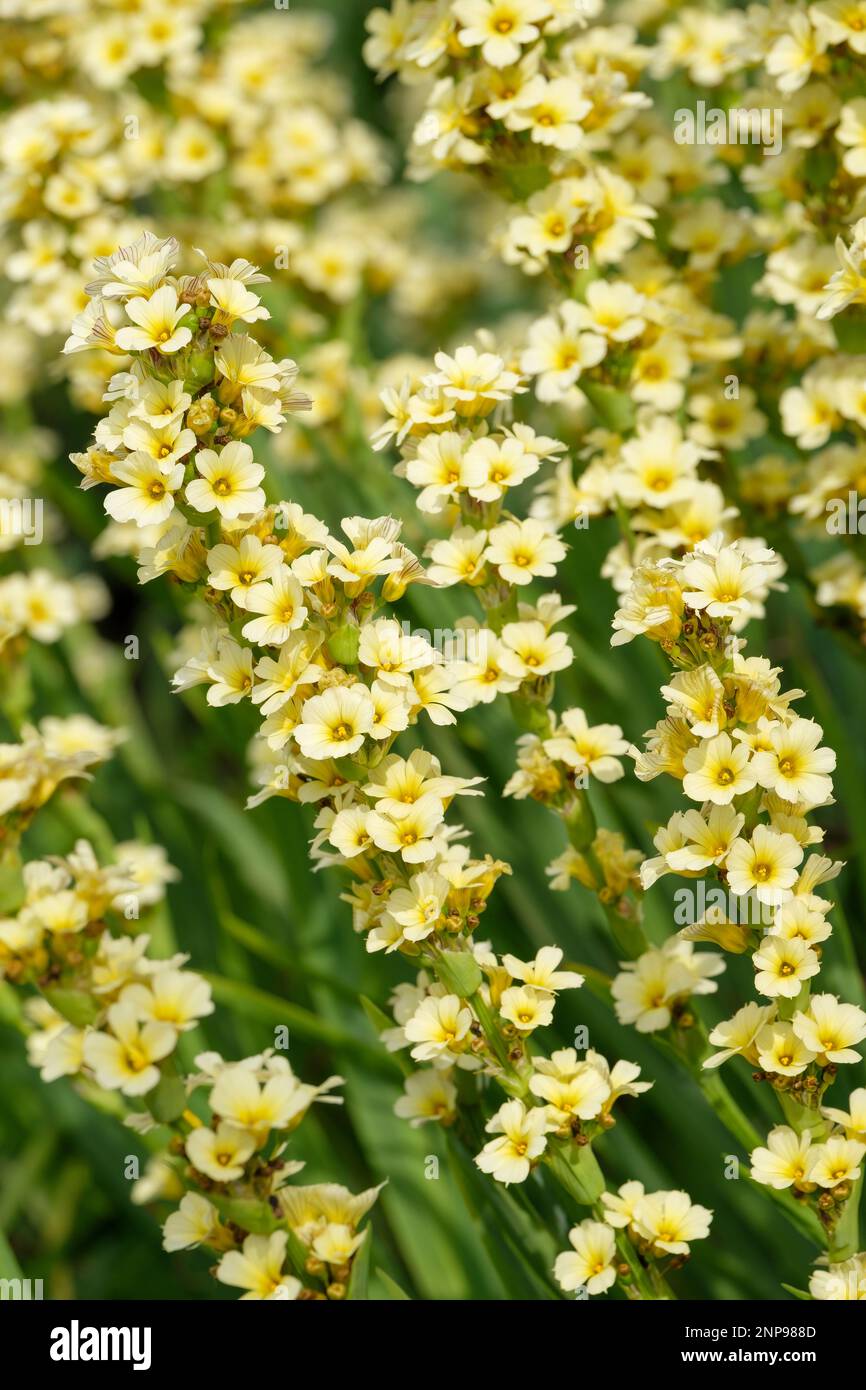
800 66
47 754
105 1009
461 446
755 771
662 1226
300 626
235 1177
560 129
101 1010
665 347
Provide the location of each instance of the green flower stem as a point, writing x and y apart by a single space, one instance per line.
738 1124
628 934
576 1169
845 1236
614 408
727 1109
580 823
798 1116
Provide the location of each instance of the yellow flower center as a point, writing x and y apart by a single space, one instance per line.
136 1059
222 486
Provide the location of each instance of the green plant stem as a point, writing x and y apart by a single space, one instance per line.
845 1237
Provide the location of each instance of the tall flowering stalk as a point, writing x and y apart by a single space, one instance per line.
531 108
100 1008
686 422
301 628
631 359
803 340
462 448
754 771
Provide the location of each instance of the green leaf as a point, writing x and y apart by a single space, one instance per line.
343 644
75 1006
11 884
9 1266
798 1293
377 1016
799 1215
255 1003
167 1101
392 1289
256 862
597 982
380 1021
246 1212
614 408
520 1247
459 972
850 331
10 1007
297 1254
262 946
576 1168
359 1279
